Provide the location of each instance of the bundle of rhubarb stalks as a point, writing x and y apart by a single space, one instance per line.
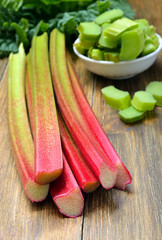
58 144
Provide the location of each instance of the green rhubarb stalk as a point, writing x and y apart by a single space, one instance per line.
20 134
47 143
101 166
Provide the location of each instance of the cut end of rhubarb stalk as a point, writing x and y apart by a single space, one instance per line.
90 186
44 177
35 191
123 177
71 204
107 176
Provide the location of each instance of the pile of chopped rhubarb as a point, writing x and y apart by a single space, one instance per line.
58 144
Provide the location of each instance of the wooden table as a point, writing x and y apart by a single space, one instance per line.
127 215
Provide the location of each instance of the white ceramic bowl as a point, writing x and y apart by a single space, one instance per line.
122 69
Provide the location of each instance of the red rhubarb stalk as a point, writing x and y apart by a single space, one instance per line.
47 143
123 177
20 134
83 174
100 165
28 90
66 193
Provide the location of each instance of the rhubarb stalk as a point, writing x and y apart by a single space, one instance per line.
47 143
100 164
83 174
28 90
123 176
66 193
20 134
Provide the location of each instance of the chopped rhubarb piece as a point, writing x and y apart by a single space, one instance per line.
109 16
83 174
130 115
132 44
155 88
116 98
143 101
96 54
48 153
111 56
119 26
79 48
89 31
20 134
123 177
148 48
98 161
106 42
66 193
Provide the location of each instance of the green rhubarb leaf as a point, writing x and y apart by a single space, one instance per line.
14 4
48 2
44 15
67 24
41 27
86 16
24 24
7 46
6 25
99 6
123 5
21 34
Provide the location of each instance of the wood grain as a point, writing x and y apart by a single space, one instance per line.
132 214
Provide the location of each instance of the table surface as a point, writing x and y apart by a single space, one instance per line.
130 214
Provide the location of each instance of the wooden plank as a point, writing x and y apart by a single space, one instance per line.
3 64
135 213
21 219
